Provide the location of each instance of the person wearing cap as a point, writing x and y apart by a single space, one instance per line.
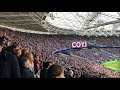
9 65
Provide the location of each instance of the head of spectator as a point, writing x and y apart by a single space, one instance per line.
24 51
1 43
36 57
29 55
16 44
47 64
18 52
27 48
70 72
25 63
55 71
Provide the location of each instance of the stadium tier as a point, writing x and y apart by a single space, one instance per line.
83 62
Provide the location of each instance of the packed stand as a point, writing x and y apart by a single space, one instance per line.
34 56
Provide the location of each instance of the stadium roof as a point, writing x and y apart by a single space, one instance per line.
78 23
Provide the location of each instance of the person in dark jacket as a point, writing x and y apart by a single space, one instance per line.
9 65
43 72
25 70
18 53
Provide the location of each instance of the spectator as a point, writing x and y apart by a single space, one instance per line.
29 55
55 71
43 72
25 70
9 65
18 53
37 65
70 73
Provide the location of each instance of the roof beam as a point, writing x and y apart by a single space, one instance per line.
25 30
15 15
118 13
34 19
90 19
111 16
107 23
66 19
26 24
7 21
71 22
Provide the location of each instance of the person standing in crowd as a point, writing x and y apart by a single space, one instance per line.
9 65
11 48
37 65
29 55
43 72
70 73
25 70
18 53
55 71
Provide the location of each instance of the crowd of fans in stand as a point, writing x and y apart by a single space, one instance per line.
35 58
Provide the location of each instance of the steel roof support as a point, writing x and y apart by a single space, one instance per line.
90 19
107 23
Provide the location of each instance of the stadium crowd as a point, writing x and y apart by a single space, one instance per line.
33 56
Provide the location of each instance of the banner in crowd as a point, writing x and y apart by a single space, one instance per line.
79 44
